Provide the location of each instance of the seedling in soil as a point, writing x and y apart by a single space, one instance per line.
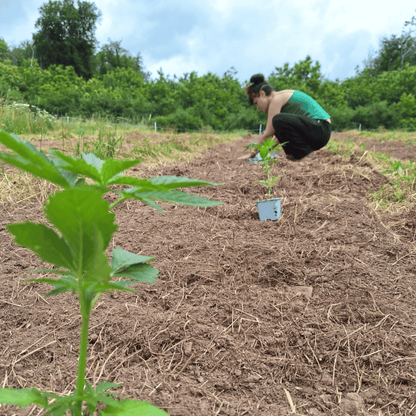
266 160
82 228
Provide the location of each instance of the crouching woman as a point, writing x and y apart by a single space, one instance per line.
293 117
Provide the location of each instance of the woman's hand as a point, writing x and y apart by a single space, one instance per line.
253 152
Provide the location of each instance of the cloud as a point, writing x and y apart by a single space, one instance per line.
12 19
199 35
229 34
344 51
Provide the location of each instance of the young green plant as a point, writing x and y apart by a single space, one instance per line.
266 160
82 228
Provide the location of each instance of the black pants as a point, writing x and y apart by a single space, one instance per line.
302 134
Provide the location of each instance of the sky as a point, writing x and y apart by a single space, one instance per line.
182 36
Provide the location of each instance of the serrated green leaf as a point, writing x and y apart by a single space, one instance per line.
60 406
84 220
43 241
95 264
31 160
69 282
151 203
177 197
175 182
23 148
159 183
93 160
88 388
93 396
90 398
140 273
122 258
112 167
79 166
127 195
105 385
109 401
130 407
127 180
57 291
61 285
23 397
264 151
86 226
71 177
109 287
49 173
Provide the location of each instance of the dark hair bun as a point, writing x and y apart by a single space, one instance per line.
257 79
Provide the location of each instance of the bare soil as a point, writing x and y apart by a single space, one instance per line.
313 313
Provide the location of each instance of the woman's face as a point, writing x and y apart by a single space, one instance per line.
261 102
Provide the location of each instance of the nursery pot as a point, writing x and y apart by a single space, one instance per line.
269 209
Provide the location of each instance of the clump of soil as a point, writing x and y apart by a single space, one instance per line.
314 312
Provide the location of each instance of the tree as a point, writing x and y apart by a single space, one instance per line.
359 90
113 55
410 47
66 35
369 63
393 52
139 67
4 50
302 76
21 53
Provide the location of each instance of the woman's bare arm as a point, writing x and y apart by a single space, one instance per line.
274 108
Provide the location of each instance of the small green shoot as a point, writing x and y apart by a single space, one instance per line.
266 160
82 227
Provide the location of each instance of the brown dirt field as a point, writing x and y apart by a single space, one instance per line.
318 307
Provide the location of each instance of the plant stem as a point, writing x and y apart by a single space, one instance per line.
268 179
116 203
85 309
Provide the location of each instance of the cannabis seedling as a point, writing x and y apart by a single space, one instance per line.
82 228
266 160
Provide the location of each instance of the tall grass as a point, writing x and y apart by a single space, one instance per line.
105 146
25 119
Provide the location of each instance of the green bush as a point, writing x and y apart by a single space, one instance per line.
183 120
376 114
193 101
23 119
341 118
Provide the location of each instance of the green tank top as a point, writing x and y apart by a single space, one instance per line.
304 105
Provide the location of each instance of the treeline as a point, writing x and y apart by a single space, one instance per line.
188 103
110 82
191 101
